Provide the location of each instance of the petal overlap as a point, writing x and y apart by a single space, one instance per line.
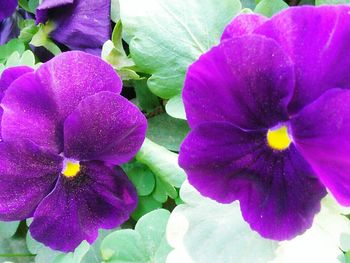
279 193
243 24
247 81
105 127
316 40
321 133
76 209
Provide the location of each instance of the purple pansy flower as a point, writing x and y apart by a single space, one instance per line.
7 7
269 109
63 128
78 24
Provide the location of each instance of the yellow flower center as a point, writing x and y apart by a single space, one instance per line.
71 169
278 139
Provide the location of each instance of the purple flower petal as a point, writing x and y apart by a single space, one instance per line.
36 105
27 175
104 127
321 133
10 75
278 192
82 25
8 29
7 7
30 112
317 41
73 76
43 9
78 207
242 25
247 81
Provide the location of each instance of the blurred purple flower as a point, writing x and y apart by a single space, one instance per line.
7 8
79 24
269 109
63 128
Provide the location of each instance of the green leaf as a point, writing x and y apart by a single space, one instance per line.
146 100
145 244
163 163
248 3
331 2
163 190
270 7
10 47
145 205
8 229
13 248
142 178
167 36
75 257
115 11
113 52
167 131
202 220
202 230
28 30
42 39
175 107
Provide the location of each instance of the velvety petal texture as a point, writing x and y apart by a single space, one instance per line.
321 133
38 103
317 40
105 127
278 192
247 81
67 113
269 108
79 24
10 75
31 113
244 24
76 209
7 7
27 175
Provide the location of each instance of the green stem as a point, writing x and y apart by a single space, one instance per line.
16 255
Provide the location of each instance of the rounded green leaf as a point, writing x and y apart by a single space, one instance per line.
145 244
167 131
167 36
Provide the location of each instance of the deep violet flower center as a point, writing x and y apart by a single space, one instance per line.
278 138
70 167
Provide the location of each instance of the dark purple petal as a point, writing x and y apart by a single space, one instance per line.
278 192
43 9
73 76
7 7
82 25
317 41
36 104
243 24
96 198
10 75
104 127
247 81
31 113
321 132
8 29
27 175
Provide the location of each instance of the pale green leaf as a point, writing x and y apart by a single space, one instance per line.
331 2
270 7
175 107
162 162
167 36
167 131
145 244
